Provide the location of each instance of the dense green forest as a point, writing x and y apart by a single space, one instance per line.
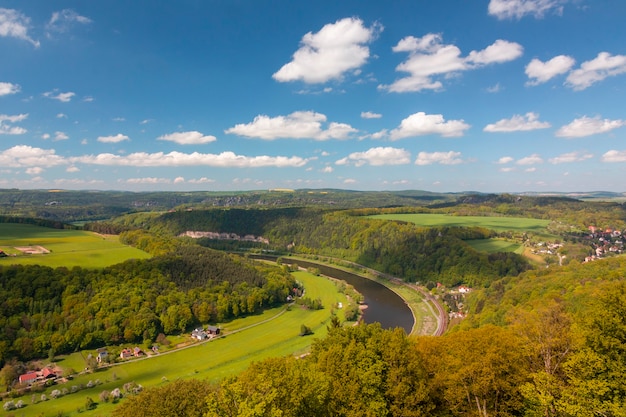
535 342
397 248
554 352
45 311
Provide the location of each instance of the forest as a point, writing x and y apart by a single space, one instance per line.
46 311
536 341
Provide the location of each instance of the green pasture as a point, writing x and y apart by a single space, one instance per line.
271 334
499 224
67 248
495 245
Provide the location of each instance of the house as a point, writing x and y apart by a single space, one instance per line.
3 254
464 290
48 373
137 352
102 354
213 330
126 353
199 334
28 378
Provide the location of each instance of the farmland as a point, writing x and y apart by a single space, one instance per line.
497 223
58 247
270 334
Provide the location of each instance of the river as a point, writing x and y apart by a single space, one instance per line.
383 305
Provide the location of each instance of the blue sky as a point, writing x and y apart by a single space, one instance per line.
452 95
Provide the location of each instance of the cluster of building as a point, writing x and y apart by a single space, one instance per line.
204 334
40 376
605 241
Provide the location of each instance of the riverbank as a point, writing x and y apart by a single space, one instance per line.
429 316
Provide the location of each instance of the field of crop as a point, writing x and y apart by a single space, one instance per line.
495 245
499 224
56 247
271 334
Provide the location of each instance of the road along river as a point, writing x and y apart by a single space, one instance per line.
383 305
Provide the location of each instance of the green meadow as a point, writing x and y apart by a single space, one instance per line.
499 224
67 248
271 334
495 245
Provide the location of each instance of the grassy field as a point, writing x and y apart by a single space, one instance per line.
271 334
499 224
67 248
496 245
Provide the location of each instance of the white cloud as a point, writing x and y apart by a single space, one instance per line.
61 116
349 181
6 122
27 156
88 99
14 24
518 123
516 9
147 180
45 136
327 169
370 115
62 97
504 160
530 160
540 72
494 88
328 54
113 139
377 157
443 158
587 126
119 119
175 159
188 138
570 157
507 169
62 21
34 171
60 136
72 169
419 124
297 125
590 72
9 88
203 180
614 156
430 58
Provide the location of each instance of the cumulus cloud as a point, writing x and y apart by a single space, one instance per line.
113 139
24 156
14 24
518 123
516 9
61 21
590 72
328 54
297 125
530 160
587 126
6 124
174 159
570 157
505 160
188 138
420 124
443 158
147 180
62 97
9 88
540 72
60 136
614 156
202 180
429 58
370 115
377 157
34 170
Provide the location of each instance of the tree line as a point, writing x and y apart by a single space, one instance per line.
46 311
